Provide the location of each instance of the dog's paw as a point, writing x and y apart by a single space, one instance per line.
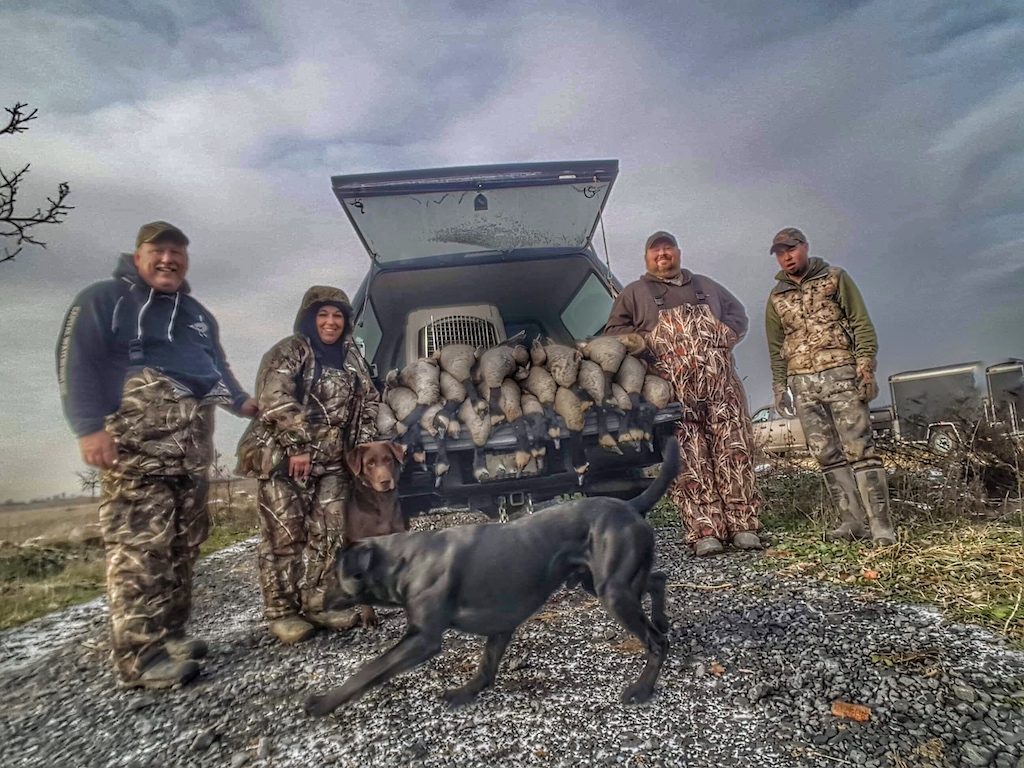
637 693
318 705
458 697
368 617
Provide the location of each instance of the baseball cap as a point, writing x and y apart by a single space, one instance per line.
660 235
159 230
787 238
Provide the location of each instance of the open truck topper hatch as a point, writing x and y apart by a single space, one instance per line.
403 216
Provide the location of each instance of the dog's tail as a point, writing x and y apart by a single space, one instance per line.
669 469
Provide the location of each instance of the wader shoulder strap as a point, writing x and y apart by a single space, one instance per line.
690 294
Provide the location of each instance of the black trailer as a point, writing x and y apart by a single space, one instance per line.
932 406
1005 383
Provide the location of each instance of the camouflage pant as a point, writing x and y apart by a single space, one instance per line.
836 421
302 528
153 515
715 492
152 529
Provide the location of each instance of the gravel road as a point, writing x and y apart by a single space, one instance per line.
755 665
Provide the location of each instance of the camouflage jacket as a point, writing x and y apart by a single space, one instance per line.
816 324
306 408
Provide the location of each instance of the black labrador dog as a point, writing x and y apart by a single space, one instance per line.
488 579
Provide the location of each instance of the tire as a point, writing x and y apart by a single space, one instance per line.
942 441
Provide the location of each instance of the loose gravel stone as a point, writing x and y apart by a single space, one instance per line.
786 649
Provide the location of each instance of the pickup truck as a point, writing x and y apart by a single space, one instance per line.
478 255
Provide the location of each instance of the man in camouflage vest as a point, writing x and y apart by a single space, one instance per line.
141 368
822 347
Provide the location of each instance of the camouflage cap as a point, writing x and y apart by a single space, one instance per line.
787 238
159 230
660 235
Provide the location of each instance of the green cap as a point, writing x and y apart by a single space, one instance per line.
159 230
787 238
660 235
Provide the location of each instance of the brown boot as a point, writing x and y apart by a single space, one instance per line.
874 491
184 648
291 629
338 621
842 487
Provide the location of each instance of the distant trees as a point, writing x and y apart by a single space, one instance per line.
89 480
17 227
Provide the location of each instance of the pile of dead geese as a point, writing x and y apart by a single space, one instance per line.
538 391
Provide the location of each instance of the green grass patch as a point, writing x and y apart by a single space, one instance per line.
971 571
35 581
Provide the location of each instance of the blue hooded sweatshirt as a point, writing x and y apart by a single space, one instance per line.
121 324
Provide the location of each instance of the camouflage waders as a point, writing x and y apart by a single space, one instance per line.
153 514
715 491
302 526
837 425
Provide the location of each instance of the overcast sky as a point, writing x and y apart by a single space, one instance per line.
891 132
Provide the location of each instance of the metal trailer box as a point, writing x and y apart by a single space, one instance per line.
1006 395
937 402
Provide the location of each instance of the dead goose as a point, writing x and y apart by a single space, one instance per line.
458 360
536 427
569 407
496 364
592 380
421 376
541 385
563 363
386 422
479 427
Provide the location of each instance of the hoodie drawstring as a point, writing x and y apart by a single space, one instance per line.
174 314
135 354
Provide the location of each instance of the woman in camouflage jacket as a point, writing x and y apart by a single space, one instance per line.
316 400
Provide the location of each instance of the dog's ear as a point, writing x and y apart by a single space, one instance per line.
357 561
354 460
398 450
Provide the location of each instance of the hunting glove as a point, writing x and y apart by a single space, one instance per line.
635 343
782 399
866 384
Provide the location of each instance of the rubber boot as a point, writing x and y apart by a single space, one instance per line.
164 672
183 648
874 492
842 487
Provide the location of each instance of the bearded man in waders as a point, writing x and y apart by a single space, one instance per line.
689 325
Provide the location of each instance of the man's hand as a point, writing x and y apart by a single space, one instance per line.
782 400
867 386
298 466
98 449
249 408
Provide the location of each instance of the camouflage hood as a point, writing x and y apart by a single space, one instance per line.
311 303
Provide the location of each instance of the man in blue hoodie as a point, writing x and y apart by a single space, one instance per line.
141 369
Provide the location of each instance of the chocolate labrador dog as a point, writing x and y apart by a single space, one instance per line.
488 579
373 509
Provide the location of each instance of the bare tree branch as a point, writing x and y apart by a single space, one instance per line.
18 118
20 228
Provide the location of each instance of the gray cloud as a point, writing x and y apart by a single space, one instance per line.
889 132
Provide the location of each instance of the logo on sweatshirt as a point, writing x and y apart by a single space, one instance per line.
200 327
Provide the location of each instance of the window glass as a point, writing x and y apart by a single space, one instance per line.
588 311
762 415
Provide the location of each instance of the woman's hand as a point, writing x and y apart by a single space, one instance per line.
298 466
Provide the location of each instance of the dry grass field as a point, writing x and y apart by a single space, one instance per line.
53 520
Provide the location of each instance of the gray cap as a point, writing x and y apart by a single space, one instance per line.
159 230
660 235
787 238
